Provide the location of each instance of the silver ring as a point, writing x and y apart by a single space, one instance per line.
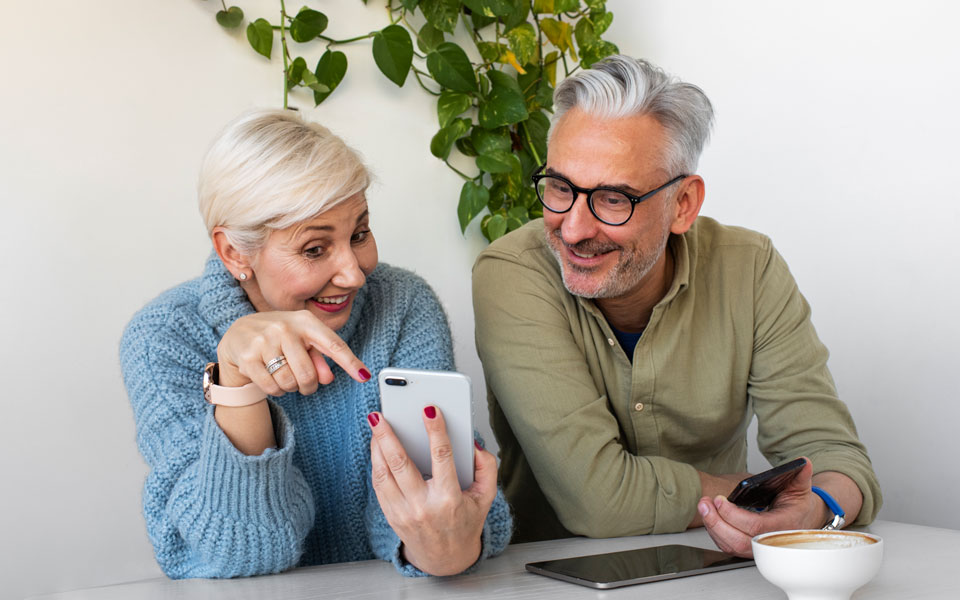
276 364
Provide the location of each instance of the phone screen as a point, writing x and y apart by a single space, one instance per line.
757 493
617 569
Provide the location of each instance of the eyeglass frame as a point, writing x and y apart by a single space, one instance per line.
634 200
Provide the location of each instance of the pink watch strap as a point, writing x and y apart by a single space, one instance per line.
244 395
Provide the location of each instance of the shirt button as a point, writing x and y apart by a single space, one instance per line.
610 341
638 406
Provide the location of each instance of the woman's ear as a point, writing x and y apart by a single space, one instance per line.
237 263
688 202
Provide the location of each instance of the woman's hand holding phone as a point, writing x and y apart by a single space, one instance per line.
440 524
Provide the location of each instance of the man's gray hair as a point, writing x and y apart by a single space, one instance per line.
621 86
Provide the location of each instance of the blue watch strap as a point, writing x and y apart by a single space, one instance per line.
838 520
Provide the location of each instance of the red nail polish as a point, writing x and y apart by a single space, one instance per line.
477 444
374 418
430 411
364 374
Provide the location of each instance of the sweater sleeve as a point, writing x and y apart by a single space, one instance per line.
794 396
425 343
210 510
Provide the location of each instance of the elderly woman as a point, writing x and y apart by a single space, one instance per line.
293 305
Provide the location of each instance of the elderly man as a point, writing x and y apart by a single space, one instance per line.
627 343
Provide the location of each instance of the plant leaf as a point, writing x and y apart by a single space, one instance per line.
601 22
490 8
543 6
486 141
465 146
536 128
523 42
491 51
600 51
562 6
496 227
505 104
393 53
560 35
295 72
330 70
410 4
450 105
230 18
473 199
501 79
586 35
260 36
429 38
517 16
550 67
443 140
310 80
307 25
442 14
498 161
451 68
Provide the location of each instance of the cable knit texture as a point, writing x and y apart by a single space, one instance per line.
212 511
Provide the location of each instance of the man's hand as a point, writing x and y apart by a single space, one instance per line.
732 527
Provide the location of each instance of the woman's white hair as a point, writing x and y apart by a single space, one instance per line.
620 86
270 169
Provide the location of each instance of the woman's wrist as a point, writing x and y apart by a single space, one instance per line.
444 563
230 376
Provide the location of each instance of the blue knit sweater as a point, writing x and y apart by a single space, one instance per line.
212 511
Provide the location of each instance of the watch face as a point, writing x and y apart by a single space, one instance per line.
210 377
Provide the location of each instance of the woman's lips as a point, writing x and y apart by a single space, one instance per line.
333 307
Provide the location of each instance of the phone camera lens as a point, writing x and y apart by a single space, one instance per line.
395 381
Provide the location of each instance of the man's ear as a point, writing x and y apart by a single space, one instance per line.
688 201
238 264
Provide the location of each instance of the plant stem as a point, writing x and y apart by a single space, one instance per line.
417 73
533 150
331 41
459 172
283 42
224 4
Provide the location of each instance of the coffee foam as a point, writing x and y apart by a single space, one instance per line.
818 540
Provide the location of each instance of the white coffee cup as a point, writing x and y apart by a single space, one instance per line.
813 564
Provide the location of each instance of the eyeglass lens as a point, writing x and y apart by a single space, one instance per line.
610 206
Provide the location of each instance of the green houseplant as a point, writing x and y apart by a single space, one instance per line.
492 98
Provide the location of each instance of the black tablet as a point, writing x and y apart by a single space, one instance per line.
628 567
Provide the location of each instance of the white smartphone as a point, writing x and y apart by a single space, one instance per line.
403 395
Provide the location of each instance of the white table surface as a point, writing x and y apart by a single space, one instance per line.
918 562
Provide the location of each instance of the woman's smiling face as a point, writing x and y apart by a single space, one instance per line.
316 265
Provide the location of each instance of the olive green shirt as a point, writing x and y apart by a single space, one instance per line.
592 444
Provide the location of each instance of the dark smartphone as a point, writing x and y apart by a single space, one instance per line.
617 569
758 492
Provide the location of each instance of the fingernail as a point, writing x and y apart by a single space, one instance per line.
430 411
364 375
702 507
374 418
477 444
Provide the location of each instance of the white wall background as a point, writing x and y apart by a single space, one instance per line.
836 134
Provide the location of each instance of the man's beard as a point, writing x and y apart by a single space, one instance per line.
621 279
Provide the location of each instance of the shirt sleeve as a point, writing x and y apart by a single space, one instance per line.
425 343
538 372
211 511
798 410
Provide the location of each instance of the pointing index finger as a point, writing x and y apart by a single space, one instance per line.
328 343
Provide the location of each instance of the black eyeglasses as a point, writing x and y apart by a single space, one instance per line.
608 205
